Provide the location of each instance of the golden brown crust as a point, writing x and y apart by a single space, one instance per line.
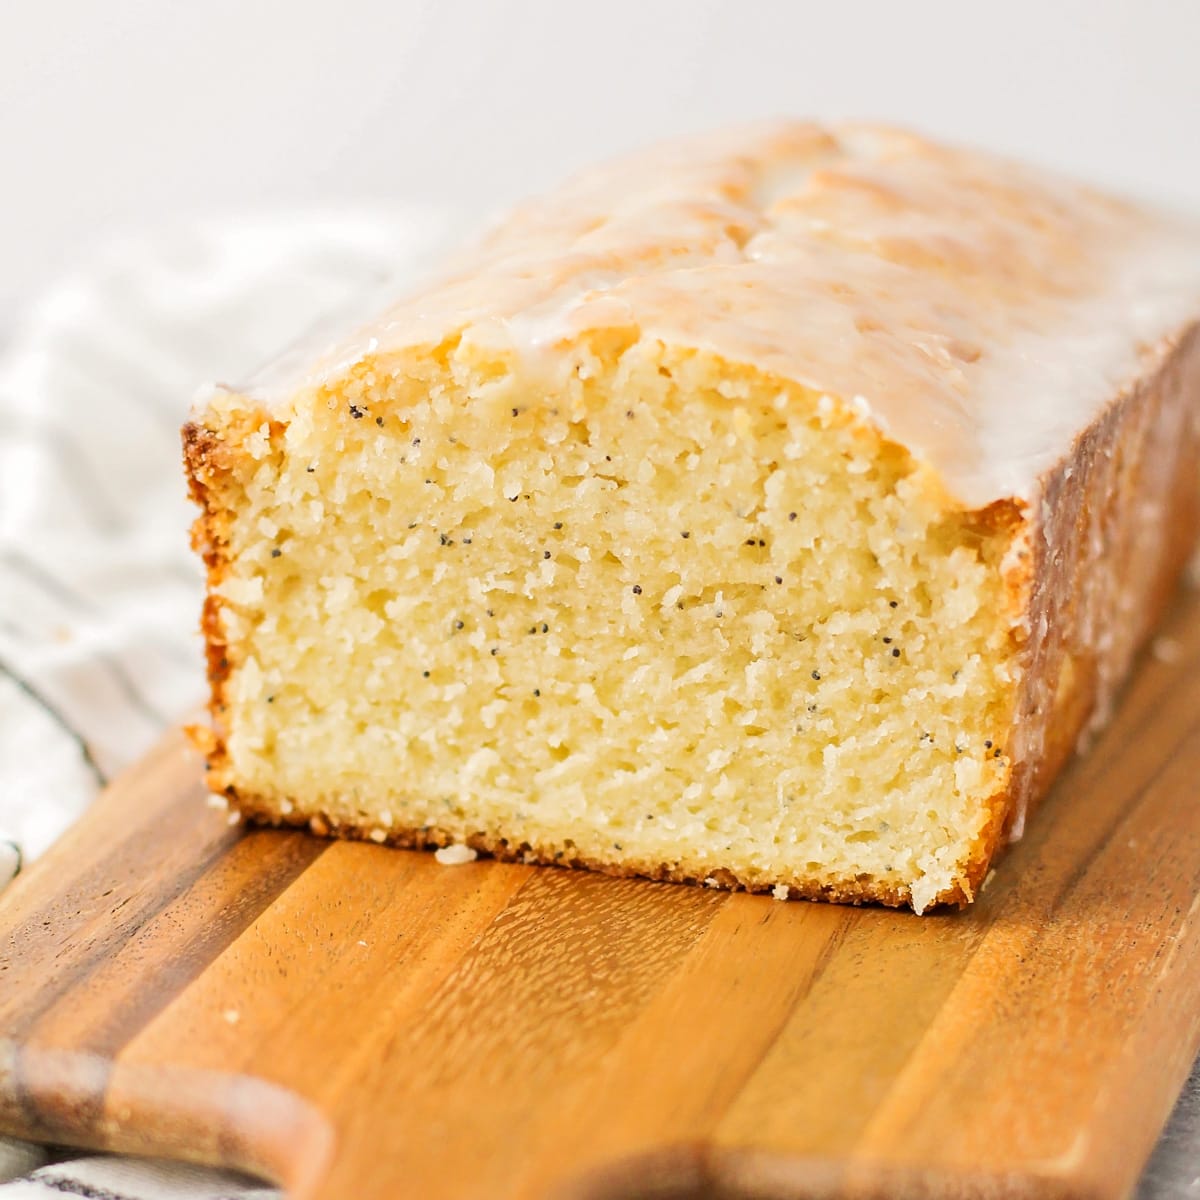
210 539
847 891
1117 522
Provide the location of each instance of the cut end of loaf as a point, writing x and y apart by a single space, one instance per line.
674 618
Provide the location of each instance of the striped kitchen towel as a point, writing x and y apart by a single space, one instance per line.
108 1177
99 592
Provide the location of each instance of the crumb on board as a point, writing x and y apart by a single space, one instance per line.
217 801
232 1016
780 891
1167 649
455 856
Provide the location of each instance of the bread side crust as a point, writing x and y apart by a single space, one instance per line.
206 464
1118 519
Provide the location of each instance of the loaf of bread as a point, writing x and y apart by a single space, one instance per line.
777 510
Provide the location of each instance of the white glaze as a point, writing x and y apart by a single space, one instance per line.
982 312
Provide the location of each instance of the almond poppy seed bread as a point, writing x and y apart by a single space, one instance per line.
776 510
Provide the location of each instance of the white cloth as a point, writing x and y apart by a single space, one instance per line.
110 1178
99 592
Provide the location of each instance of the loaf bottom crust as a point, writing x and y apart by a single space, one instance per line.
842 891
1119 520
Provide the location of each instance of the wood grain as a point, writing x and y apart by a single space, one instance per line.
355 1021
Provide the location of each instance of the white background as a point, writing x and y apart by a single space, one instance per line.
118 114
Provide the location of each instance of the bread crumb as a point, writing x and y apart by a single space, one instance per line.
232 1016
780 891
217 801
234 818
378 835
712 882
1167 649
455 856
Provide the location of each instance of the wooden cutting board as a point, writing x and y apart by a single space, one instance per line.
359 1022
